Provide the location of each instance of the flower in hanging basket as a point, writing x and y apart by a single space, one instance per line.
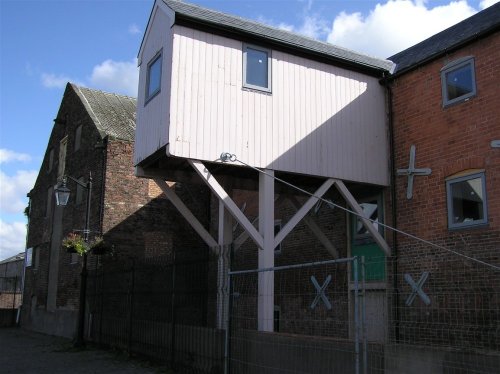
98 246
74 243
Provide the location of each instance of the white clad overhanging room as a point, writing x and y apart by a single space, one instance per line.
234 104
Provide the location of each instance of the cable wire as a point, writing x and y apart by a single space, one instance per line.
230 157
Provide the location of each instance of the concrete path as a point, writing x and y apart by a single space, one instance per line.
23 351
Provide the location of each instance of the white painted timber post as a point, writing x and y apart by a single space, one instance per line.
266 254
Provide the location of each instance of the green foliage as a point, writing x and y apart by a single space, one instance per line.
74 242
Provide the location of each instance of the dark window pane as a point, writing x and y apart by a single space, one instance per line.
257 73
468 201
154 79
459 82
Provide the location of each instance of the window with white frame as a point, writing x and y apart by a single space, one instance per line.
153 77
466 197
458 81
256 68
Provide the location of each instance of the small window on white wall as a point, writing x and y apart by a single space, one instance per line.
466 201
153 78
256 68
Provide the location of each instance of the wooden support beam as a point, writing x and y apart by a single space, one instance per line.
238 242
351 201
289 226
186 213
316 230
219 191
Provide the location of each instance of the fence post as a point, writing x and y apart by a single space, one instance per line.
172 341
227 345
101 306
356 316
363 315
131 306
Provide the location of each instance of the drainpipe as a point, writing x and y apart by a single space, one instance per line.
387 84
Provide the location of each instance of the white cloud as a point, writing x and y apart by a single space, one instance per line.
12 238
487 3
55 81
312 26
116 76
395 25
13 190
6 155
133 29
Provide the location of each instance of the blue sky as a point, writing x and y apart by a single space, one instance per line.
94 43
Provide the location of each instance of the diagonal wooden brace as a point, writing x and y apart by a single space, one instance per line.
186 213
221 194
290 225
351 201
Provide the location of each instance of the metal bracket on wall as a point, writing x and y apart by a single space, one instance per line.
417 288
411 172
320 292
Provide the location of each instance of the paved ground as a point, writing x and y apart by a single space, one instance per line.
23 351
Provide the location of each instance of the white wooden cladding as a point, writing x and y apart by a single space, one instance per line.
152 118
319 119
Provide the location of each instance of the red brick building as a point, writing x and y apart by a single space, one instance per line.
93 135
445 121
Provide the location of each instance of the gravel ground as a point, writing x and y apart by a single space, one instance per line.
23 351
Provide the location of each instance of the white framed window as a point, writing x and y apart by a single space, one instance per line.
466 199
153 77
256 68
78 138
458 81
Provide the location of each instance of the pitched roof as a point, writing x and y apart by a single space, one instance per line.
18 257
480 24
114 115
218 20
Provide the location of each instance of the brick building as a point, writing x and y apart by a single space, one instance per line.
93 135
446 124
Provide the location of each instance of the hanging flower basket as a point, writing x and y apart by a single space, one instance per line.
99 247
74 243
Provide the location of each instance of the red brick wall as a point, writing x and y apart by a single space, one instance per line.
448 140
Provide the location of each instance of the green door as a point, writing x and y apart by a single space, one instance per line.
362 243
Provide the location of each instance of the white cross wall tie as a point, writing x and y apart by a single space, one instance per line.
320 292
417 288
411 172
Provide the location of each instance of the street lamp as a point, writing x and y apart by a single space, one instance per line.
62 196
